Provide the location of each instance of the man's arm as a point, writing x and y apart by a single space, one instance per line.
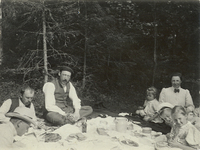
76 101
5 107
178 145
50 102
33 109
73 96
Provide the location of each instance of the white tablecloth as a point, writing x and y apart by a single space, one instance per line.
93 140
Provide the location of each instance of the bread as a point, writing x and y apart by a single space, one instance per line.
101 131
78 136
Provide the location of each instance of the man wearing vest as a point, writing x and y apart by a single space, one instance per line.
62 105
24 100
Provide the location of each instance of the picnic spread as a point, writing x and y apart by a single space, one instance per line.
109 133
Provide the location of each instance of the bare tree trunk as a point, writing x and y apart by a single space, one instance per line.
155 46
45 47
85 51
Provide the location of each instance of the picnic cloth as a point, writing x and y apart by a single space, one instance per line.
91 140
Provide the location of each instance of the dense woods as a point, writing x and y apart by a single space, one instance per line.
116 48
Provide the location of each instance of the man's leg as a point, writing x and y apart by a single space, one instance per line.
85 111
57 119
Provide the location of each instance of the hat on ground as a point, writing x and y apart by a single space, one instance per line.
23 113
163 106
65 68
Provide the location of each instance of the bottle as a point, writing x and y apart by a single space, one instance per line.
84 126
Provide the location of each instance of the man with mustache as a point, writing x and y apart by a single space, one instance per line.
62 105
175 95
24 100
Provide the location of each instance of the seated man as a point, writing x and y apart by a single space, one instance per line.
62 104
19 124
25 98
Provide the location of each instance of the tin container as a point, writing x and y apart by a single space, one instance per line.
121 124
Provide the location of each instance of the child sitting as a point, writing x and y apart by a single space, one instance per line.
197 111
150 105
183 134
190 111
191 116
165 114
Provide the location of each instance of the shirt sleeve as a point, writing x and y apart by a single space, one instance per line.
162 96
193 137
155 105
50 102
33 109
188 99
145 103
73 96
7 137
5 107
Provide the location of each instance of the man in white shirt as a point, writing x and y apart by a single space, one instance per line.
24 100
175 95
61 101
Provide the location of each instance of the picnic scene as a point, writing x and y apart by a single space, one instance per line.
99 75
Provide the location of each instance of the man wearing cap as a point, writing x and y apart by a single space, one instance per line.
62 105
19 124
175 95
25 100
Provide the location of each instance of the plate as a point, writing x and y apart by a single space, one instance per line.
136 122
130 143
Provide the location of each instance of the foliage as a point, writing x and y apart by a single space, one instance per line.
120 44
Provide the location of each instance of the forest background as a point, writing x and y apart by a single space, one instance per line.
117 49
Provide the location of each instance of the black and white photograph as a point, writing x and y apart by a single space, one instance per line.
99 74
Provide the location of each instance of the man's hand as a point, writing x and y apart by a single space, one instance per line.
76 115
70 118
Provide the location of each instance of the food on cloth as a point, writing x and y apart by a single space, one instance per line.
52 137
137 134
130 127
101 131
155 134
78 136
146 130
115 148
162 144
72 135
130 143
115 139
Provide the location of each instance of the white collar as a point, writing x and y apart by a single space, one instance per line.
174 88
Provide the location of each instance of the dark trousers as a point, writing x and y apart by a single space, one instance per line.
58 119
